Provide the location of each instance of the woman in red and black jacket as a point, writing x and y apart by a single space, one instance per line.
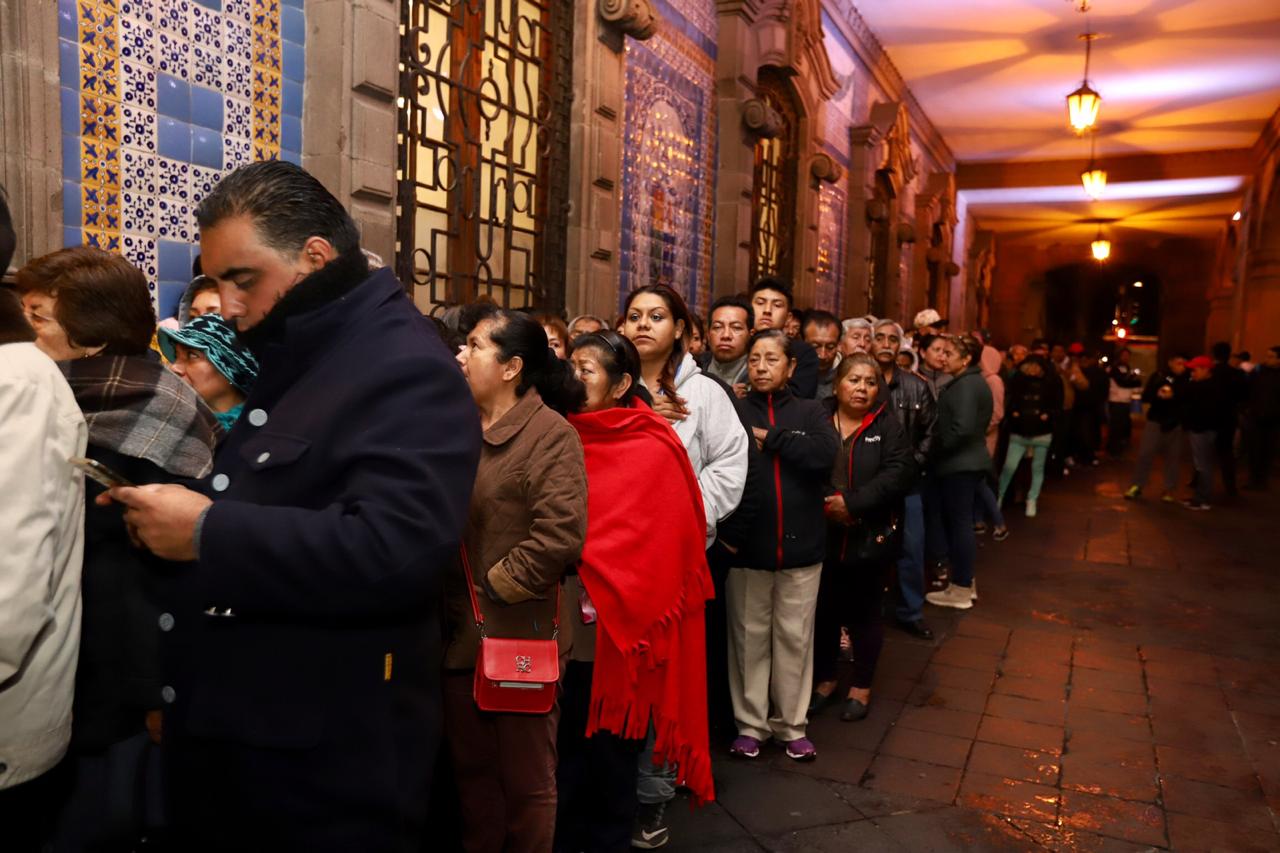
872 475
776 539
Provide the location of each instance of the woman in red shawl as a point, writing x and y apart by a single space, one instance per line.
638 647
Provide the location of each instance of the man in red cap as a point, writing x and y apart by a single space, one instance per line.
1201 416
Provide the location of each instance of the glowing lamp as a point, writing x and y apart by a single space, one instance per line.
1082 108
1101 248
1095 181
1235 217
1137 284
1121 332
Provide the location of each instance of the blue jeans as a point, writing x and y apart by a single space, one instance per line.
1202 456
911 563
958 494
935 531
985 505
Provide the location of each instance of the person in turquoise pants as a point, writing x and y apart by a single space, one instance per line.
1032 403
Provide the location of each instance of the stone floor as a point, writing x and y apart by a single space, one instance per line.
1116 688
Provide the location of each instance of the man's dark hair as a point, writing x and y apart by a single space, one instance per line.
1276 350
14 327
1221 351
773 283
733 300
102 299
1244 355
818 317
8 239
287 204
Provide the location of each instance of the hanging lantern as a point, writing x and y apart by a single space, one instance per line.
1083 106
1084 103
1094 180
1101 248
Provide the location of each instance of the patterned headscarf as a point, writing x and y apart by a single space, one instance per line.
214 337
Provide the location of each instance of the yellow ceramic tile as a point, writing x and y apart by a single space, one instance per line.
100 74
99 162
99 118
102 239
99 26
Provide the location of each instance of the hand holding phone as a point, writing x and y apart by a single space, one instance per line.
99 473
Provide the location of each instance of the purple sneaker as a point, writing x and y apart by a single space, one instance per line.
745 746
802 749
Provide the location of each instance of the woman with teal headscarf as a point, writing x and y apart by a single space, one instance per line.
209 357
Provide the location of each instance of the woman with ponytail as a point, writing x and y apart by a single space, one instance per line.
527 524
639 642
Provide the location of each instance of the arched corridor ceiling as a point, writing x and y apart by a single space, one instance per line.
1174 75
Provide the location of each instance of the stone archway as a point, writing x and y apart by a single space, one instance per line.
760 45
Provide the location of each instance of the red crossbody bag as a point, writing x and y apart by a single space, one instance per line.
514 676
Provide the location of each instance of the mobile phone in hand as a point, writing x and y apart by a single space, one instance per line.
96 471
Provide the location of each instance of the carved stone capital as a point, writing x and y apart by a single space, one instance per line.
636 18
760 119
825 168
906 232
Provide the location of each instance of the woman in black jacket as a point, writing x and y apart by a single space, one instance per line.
777 539
1032 405
872 474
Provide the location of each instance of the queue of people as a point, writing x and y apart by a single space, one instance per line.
587 555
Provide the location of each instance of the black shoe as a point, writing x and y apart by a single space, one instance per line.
817 702
853 711
651 830
916 628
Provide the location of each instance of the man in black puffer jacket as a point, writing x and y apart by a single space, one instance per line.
911 400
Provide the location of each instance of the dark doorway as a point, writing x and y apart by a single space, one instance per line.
1082 301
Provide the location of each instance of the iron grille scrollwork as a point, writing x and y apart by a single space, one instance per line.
773 186
482 197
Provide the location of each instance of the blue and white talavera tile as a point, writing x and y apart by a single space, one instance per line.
157 104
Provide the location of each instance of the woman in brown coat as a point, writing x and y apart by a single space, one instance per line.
527 524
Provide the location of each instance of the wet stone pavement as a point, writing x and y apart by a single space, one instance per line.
1117 687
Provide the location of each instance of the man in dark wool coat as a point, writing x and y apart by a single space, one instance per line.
303 701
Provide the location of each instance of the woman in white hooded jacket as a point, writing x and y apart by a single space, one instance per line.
657 321
701 410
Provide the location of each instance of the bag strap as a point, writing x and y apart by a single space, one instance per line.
475 602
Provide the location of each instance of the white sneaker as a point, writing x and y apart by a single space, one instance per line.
953 596
1031 508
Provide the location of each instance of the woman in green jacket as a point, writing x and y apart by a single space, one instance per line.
960 462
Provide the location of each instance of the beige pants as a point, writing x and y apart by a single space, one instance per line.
770 649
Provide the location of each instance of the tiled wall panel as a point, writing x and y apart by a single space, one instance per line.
159 99
669 167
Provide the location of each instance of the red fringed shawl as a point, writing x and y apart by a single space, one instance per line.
645 568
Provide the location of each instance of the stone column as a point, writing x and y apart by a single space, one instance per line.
863 141
30 125
595 166
349 117
735 171
1261 299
